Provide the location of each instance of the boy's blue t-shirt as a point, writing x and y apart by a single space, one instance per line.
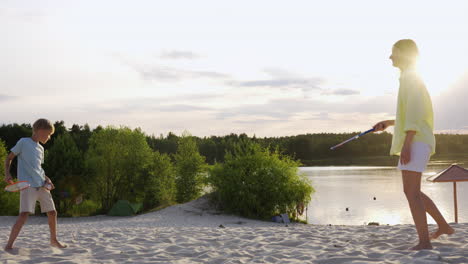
30 157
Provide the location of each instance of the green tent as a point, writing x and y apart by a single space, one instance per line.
124 208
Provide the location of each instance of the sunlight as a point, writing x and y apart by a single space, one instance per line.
440 66
391 218
387 218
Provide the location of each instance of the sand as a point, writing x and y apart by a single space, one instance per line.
191 233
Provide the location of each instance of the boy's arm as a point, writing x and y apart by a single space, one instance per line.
8 161
49 181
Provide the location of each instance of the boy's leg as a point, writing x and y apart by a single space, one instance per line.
412 189
52 219
47 205
15 230
28 199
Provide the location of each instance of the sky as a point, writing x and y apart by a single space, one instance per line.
264 68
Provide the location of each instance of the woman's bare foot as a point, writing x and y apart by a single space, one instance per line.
57 244
441 231
422 246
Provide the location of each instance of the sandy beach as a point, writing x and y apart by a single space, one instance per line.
192 233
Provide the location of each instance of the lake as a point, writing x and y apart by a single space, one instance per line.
338 188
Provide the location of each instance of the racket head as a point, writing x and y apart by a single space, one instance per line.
17 186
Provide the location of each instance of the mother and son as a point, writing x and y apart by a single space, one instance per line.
413 140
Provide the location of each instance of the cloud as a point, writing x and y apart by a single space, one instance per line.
259 121
281 79
451 106
198 114
5 98
153 72
196 97
291 107
181 108
168 74
178 54
304 84
141 105
318 116
25 15
340 92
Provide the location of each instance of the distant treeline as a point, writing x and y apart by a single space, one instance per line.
309 149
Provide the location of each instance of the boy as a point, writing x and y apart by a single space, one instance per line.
30 157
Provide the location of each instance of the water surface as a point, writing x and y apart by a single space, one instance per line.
338 188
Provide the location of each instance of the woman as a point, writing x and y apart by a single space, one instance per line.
414 141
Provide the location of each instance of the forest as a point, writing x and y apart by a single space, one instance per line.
93 168
309 149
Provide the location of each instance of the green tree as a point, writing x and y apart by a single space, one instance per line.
9 201
11 133
117 158
60 129
159 183
81 135
64 166
3 155
256 182
190 168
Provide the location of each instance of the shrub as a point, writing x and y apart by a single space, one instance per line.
159 183
86 208
256 182
190 166
9 202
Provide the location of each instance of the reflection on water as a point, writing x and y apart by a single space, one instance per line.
355 188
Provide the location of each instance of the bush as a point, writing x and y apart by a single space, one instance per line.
86 208
9 202
190 168
256 182
159 184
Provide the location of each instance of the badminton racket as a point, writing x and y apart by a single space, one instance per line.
351 139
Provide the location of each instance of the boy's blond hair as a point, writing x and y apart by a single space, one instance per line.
43 123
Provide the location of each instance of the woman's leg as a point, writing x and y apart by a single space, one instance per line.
412 189
443 226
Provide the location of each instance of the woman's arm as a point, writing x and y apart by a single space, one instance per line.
405 155
382 125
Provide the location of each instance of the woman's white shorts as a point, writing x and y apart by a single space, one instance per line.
420 155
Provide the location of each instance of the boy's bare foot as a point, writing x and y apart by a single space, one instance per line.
441 231
57 244
8 247
422 246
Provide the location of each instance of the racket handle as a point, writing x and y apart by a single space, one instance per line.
363 133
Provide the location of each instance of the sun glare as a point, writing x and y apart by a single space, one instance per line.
440 68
